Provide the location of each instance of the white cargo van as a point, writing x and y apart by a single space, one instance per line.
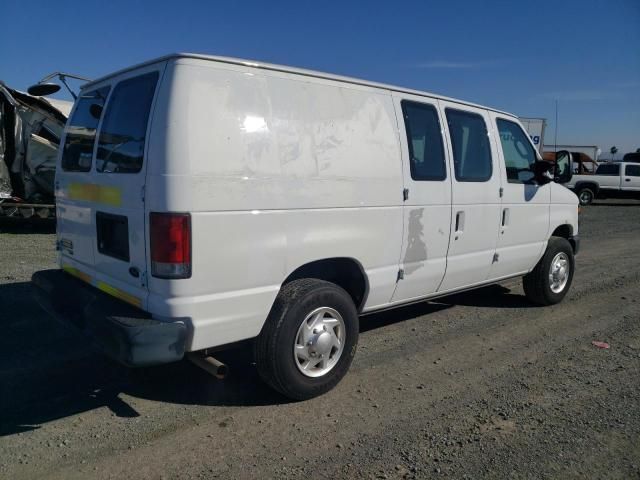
204 200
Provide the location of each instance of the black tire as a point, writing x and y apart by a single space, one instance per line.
274 346
586 196
537 284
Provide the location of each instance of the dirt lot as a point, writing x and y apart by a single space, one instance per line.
475 385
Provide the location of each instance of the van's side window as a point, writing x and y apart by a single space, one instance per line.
77 151
426 152
470 144
519 155
122 134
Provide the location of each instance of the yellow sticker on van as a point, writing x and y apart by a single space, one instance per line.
92 192
122 295
77 273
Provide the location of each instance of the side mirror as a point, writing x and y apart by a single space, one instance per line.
541 171
43 89
562 173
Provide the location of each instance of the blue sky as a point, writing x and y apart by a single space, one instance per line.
513 55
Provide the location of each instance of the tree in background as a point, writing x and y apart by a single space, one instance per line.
613 152
637 150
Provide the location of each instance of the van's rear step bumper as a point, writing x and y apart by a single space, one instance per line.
125 333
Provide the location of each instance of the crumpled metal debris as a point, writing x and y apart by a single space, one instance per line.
30 131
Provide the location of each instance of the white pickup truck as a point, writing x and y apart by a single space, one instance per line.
609 179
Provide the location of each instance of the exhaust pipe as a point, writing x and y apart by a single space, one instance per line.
209 364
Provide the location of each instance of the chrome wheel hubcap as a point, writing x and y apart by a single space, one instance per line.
319 342
559 272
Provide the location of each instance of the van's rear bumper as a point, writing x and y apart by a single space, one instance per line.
125 333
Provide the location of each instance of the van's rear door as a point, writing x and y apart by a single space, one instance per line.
101 182
74 177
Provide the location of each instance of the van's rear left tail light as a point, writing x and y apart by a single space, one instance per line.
170 243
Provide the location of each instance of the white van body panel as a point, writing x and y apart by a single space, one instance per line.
277 170
563 209
280 167
524 218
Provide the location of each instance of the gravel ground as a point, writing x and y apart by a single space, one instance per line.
475 385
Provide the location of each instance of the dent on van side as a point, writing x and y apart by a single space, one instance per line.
204 201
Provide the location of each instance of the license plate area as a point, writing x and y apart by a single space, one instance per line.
113 235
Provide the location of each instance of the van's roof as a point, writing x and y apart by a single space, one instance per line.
283 68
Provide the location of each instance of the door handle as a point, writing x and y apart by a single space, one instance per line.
505 217
459 226
627 179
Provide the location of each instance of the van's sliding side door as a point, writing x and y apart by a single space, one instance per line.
427 205
475 196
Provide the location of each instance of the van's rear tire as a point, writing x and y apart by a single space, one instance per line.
310 319
550 280
586 196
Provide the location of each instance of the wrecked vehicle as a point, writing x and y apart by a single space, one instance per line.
30 130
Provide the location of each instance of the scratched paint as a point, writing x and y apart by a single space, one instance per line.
416 251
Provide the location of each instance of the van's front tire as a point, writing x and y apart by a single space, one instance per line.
550 280
309 339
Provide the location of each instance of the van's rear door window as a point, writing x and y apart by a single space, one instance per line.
122 135
81 131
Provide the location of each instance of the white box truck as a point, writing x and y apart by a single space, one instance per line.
535 127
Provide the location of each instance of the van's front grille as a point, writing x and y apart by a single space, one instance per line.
113 235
